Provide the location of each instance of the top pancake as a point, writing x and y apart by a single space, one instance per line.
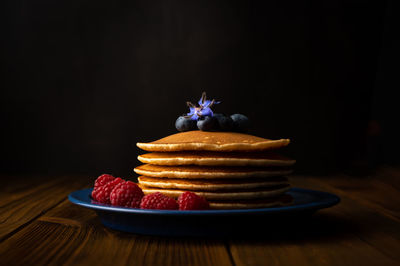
212 141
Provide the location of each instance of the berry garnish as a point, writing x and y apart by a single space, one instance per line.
102 180
158 201
225 123
206 120
204 108
191 201
126 194
207 123
184 123
240 122
101 194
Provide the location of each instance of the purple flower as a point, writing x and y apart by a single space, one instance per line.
204 108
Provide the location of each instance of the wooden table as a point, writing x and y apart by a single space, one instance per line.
39 226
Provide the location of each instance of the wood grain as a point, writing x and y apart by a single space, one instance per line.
76 237
40 227
373 192
30 198
371 223
348 234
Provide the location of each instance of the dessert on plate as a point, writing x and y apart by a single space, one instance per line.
214 158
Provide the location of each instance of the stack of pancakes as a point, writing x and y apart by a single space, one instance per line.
231 170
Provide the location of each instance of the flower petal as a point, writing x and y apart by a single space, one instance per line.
192 111
206 103
202 99
206 112
194 117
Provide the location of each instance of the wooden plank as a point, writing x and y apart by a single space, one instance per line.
15 187
373 192
72 235
21 204
371 224
307 252
348 234
359 231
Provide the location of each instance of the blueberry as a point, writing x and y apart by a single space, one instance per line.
185 124
207 123
240 122
225 123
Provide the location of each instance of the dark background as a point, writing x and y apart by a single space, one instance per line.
83 81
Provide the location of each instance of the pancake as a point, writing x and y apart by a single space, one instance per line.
208 172
282 200
211 185
258 193
215 159
212 141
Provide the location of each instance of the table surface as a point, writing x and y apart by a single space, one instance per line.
39 226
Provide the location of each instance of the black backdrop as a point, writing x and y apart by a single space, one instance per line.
83 81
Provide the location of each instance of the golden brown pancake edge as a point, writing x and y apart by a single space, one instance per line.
197 172
215 159
211 185
212 141
230 195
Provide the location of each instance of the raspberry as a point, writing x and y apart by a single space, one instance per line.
126 194
158 201
102 194
102 180
191 201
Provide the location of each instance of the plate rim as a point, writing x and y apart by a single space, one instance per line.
329 200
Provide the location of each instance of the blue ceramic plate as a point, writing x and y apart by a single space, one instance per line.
206 222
